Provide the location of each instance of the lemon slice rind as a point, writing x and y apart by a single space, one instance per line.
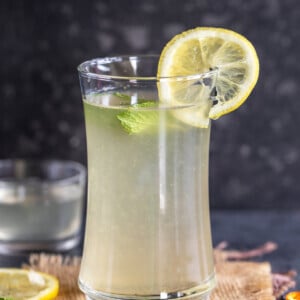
27 284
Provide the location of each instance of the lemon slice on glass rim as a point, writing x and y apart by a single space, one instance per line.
20 284
230 68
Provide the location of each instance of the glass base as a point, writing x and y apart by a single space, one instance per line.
202 297
201 292
13 247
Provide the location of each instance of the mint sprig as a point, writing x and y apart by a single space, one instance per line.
122 96
128 98
136 119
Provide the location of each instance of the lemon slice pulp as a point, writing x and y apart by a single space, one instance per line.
19 284
230 68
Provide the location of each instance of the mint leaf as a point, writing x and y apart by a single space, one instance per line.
122 96
128 98
134 120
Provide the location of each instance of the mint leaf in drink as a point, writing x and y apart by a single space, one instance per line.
122 96
128 98
136 119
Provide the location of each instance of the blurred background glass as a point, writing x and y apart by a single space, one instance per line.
41 205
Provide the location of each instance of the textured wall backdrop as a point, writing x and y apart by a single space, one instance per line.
255 160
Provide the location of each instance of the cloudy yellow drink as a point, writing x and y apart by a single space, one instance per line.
148 229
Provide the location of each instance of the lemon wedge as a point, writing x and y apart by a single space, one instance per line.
19 284
230 68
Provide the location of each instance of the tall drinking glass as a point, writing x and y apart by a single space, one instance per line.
148 226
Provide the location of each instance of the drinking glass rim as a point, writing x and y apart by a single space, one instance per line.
108 59
78 167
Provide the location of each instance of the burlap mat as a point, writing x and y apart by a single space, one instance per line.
237 280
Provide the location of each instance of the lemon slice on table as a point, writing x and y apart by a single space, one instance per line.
19 284
231 66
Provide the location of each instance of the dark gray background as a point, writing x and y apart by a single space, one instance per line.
255 160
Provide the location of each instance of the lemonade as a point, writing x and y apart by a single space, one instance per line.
148 124
41 205
148 228
32 218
